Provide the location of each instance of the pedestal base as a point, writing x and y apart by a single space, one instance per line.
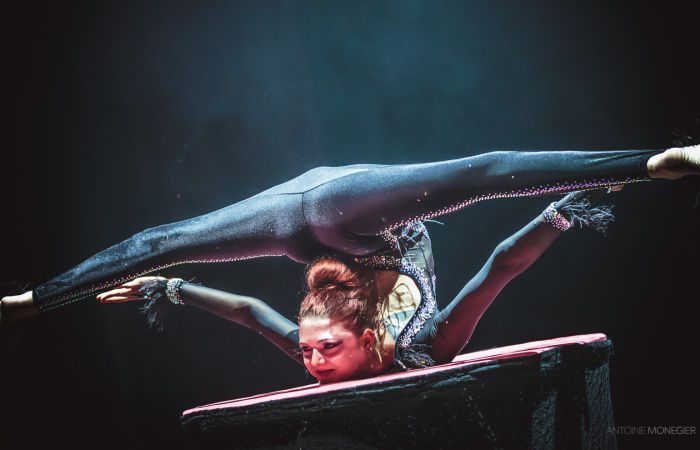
545 395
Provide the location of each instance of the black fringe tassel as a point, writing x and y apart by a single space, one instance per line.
582 214
157 304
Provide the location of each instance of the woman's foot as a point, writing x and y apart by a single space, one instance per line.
16 307
675 163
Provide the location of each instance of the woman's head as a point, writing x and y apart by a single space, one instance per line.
338 322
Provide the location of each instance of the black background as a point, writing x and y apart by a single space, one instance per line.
124 115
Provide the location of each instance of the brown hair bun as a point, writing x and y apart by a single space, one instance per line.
329 273
338 291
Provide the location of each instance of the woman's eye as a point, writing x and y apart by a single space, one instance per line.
305 349
330 345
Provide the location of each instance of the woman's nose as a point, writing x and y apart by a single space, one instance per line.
317 358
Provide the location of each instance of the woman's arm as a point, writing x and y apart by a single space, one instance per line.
453 326
250 312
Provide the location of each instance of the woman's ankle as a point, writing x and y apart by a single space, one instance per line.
16 307
674 163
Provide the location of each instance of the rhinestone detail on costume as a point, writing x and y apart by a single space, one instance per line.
71 297
561 187
428 303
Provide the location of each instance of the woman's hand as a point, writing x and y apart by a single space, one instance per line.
675 163
126 292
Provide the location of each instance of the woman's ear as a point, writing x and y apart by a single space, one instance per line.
368 338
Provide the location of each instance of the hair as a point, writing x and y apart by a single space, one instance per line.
337 291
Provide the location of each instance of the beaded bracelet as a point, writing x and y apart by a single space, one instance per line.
555 218
172 290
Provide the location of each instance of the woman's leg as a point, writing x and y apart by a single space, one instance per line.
259 226
384 198
268 224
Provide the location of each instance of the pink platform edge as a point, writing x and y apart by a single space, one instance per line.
493 354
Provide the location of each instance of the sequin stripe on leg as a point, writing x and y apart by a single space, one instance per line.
392 239
46 308
70 297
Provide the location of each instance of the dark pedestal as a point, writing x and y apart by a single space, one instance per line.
556 399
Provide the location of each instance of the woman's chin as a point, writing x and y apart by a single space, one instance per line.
337 379
325 377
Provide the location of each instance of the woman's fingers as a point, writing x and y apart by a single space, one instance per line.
125 292
132 283
119 299
118 291
139 281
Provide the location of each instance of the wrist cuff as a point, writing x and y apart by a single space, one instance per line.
556 219
172 290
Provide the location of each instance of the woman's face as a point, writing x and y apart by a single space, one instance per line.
333 352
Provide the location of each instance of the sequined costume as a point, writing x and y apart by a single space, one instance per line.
411 255
351 210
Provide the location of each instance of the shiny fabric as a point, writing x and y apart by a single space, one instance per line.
349 210
411 255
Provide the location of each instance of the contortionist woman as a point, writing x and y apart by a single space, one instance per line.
371 304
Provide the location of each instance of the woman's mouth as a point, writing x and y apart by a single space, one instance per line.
324 373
